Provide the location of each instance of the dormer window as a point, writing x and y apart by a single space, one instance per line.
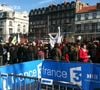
78 17
86 16
94 15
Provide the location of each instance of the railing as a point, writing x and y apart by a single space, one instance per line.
1 60
34 83
60 86
9 82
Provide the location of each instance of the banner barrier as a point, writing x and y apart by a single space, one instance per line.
31 69
86 75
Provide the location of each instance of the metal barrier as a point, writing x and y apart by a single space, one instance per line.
11 82
1 60
60 86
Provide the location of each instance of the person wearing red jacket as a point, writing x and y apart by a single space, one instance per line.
83 54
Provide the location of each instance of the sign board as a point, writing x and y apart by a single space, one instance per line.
85 75
30 69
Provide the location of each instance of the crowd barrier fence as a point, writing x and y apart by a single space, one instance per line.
46 74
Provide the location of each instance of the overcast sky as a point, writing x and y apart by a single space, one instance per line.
27 5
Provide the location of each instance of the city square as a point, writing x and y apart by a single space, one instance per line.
50 45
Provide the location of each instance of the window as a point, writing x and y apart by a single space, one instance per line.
78 28
39 12
1 15
72 20
1 31
86 27
30 23
24 29
67 15
25 16
86 16
30 30
58 7
58 21
99 26
69 28
10 23
43 11
10 30
63 15
54 22
62 21
72 13
31 13
54 8
94 27
68 5
67 20
1 23
18 28
73 5
35 12
63 7
78 17
94 15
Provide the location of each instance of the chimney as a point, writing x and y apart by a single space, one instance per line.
98 6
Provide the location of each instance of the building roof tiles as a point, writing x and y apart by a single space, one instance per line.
87 9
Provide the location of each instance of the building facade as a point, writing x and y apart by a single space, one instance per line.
12 23
46 20
87 22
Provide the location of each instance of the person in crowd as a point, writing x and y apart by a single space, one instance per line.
5 54
72 54
41 54
13 54
1 54
77 49
83 54
92 51
56 53
30 52
65 52
98 53
26 53
20 53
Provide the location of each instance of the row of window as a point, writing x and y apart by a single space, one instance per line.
86 16
58 7
2 23
62 15
89 27
11 24
37 22
52 21
87 31
61 21
19 30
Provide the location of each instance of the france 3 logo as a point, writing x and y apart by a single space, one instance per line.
76 75
39 66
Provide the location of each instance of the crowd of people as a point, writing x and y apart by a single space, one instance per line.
66 52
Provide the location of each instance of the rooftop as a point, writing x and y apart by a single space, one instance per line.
87 9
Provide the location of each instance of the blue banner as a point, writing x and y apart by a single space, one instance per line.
31 69
86 75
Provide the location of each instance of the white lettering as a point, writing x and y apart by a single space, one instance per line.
92 76
54 73
75 75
